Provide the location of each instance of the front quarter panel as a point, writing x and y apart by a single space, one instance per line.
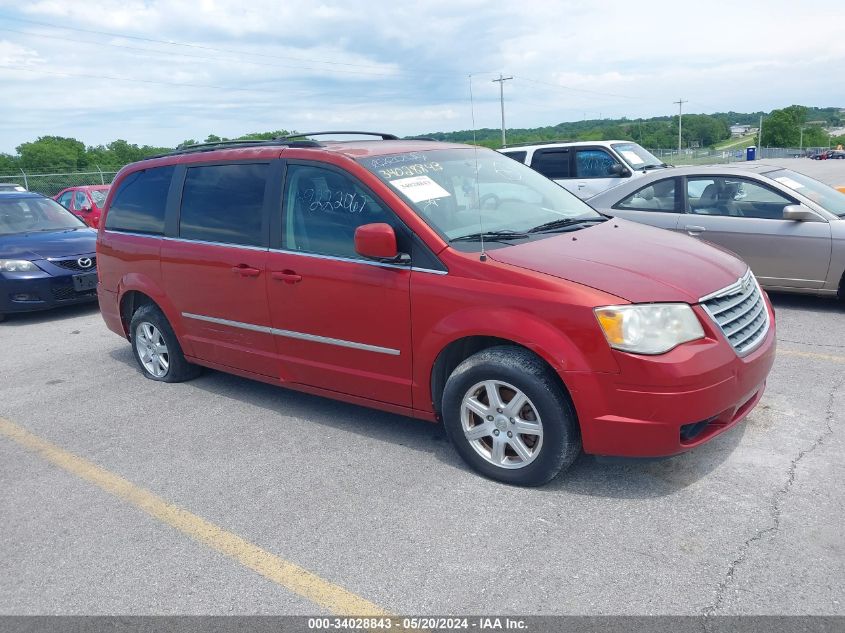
553 318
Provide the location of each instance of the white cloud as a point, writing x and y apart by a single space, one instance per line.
399 67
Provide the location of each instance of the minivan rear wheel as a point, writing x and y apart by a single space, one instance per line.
509 418
156 347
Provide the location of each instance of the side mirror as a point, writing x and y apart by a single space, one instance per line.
798 213
620 170
378 241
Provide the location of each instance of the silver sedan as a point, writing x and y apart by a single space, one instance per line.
789 227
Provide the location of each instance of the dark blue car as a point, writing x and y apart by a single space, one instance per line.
47 255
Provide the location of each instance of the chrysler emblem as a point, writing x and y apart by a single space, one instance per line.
84 262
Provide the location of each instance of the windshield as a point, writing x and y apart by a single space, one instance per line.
827 197
99 196
637 157
506 197
27 215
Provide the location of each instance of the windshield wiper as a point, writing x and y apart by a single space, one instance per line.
660 166
498 236
564 223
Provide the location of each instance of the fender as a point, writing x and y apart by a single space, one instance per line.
147 285
521 327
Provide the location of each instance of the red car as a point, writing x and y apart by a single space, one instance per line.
85 202
438 281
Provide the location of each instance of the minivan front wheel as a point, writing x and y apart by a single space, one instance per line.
156 348
509 418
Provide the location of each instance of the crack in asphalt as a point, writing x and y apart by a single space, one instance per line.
776 507
786 340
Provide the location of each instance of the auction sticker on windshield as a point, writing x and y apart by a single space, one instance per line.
792 184
420 188
632 157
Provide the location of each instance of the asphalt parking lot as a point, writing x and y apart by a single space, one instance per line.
225 496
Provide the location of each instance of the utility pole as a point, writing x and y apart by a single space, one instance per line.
502 81
760 137
801 138
680 103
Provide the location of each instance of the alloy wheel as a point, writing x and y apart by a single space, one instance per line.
152 349
501 424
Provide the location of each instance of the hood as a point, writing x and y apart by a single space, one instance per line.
636 262
48 244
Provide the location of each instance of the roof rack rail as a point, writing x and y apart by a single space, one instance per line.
564 140
420 138
384 137
289 141
233 144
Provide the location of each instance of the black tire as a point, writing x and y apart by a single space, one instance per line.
561 439
178 369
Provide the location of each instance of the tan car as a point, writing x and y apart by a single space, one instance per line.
790 228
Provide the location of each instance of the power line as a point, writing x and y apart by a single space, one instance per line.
186 44
202 57
562 87
223 50
143 81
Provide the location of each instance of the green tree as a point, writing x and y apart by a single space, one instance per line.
263 136
52 153
782 128
8 163
814 136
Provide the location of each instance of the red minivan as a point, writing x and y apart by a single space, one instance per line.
439 281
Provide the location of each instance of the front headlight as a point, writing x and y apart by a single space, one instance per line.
649 328
17 266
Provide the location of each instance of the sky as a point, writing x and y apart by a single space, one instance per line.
157 72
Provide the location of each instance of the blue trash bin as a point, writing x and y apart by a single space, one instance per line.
751 153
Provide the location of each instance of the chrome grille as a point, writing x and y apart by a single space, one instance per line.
740 312
73 264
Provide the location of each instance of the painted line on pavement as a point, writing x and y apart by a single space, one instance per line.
300 581
829 357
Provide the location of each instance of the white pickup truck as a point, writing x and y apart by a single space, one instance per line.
586 168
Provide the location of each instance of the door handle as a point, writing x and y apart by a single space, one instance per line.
695 230
245 271
288 276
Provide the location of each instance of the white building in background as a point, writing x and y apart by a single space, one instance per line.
742 130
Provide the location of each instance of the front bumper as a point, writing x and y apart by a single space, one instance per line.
42 290
664 405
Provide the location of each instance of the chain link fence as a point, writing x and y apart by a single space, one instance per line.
718 157
50 184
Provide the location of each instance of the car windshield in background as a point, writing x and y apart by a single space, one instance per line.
28 215
827 197
463 193
637 157
99 196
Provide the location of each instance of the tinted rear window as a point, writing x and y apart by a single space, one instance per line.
552 163
224 203
140 202
518 156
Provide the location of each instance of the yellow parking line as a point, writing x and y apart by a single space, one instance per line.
831 357
290 576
